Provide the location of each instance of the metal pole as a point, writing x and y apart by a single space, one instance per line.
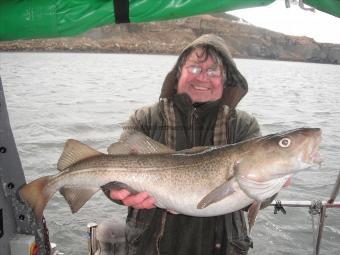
320 230
92 238
288 203
331 203
323 214
323 205
335 190
18 218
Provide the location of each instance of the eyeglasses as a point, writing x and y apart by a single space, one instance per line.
211 72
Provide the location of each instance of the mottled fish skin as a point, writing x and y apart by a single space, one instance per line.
176 181
182 181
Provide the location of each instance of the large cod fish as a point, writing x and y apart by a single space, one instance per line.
204 181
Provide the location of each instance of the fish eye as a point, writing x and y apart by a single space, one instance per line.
285 142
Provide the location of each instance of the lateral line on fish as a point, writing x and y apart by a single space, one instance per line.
179 182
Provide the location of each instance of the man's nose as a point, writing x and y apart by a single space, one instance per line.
203 76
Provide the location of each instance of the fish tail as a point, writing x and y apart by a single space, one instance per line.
34 196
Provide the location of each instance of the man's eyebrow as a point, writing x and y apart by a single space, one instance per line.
189 61
193 61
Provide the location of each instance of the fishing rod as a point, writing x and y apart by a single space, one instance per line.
315 207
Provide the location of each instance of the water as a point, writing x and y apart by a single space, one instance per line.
53 96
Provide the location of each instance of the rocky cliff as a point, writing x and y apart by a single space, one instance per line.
168 37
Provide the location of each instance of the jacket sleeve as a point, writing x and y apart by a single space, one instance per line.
147 120
245 127
138 121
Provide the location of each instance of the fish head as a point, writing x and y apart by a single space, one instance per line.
270 160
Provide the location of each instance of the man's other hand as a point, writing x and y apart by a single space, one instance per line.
140 200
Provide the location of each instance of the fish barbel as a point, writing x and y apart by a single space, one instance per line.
202 182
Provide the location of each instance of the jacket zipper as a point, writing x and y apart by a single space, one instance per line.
194 117
161 232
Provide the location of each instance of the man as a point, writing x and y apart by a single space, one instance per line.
196 108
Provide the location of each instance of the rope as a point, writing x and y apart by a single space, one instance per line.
278 207
302 6
300 3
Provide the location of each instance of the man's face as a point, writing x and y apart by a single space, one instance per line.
201 78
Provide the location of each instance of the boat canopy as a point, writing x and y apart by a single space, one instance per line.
31 19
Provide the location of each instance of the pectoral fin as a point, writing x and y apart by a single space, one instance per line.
217 194
77 197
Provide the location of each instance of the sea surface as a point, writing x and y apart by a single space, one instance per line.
52 97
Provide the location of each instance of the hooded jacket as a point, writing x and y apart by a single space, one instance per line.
180 124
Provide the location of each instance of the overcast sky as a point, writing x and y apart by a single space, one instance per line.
293 21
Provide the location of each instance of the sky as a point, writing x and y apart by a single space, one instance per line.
293 21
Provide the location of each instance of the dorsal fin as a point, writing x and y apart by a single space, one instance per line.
75 151
194 150
119 148
138 143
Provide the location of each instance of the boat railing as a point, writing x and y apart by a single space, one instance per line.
98 246
316 207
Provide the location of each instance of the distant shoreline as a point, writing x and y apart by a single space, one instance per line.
144 53
244 40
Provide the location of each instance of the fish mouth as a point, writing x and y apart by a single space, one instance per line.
310 155
314 155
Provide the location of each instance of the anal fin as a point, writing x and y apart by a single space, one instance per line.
76 197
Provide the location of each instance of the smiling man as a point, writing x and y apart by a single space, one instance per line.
197 107
201 76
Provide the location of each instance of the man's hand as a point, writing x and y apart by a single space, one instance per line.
140 200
